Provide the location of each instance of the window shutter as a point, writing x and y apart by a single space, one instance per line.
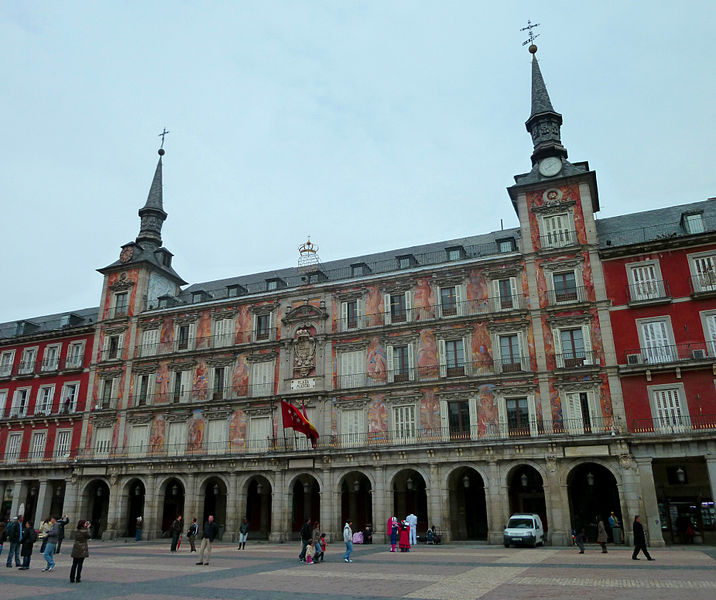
532 414
467 354
442 357
472 407
596 418
411 363
360 316
589 359
557 340
390 363
572 413
386 308
344 316
217 436
444 421
254 325
272 325
502 414
711 334
460 296
409 306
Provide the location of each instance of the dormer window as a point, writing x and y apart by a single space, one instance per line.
197 297
693 222
455 253
506 245
233 291
406 261
359 270
274 284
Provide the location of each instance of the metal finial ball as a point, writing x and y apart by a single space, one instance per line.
161 151
532 49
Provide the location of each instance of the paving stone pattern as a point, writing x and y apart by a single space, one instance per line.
147 571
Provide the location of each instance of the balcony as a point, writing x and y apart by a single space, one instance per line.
50 365
576 360
6 370
572 295
512 364
26 367
676 353
649 292
71 363
673 425
703 285
558 239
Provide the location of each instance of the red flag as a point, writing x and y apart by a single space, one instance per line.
293 419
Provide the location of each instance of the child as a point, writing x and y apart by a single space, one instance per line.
310 552
319 550
324 544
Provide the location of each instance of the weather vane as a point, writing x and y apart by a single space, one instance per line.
164 132
532 36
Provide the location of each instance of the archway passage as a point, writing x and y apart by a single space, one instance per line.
215 503
593 493
135 505
526 491
468 508
31 502
58 499
306 502
356 501
410 496
173 504
258 508
97 497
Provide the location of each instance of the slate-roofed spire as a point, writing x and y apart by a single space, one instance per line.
544 122
152 213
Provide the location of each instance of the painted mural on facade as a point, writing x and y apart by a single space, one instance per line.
428 366
376 361
203 331
157 435
423 300
200 383
430 423
477 291
128 277
166 335
377 419
237 430
487 411
240 376
482 360
195 437
374 306
243 325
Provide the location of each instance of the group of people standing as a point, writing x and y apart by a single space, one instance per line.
403 533
208 534
22 536
313 543
616 529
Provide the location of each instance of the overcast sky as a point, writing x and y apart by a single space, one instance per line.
368 125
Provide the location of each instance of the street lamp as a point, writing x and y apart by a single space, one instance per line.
680 475
409 483
259 488
356 486
466 481
590 479
33 491
99 492
524 480
138 490
306 487
216 489
175 489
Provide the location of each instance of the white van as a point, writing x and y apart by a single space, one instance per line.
524 530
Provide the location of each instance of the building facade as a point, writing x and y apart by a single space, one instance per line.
461 381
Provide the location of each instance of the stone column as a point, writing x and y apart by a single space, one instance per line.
556 497
649 507
192 501
114 514
3 489
498 505
42 502
437 502
329 513
380 506
711 467
279 516
19 490
233 517
150 510
71 506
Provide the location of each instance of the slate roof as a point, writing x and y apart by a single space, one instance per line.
378 263
49 323
652 225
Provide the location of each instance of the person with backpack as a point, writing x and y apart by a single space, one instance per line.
243 534
191 534
28 539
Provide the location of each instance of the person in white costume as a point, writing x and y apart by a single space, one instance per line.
412 520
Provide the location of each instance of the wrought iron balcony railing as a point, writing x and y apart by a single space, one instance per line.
655 355
648 291
567 295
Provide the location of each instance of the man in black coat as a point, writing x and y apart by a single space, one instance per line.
61 526
208 535
175 530
13 533
305 536
639 540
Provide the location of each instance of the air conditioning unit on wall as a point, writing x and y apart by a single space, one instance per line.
698 354
634 359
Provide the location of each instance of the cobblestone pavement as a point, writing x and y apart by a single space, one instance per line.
147 571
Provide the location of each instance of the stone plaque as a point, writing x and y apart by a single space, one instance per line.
303 384
587 451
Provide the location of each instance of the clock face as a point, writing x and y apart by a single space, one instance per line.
550 166
126 254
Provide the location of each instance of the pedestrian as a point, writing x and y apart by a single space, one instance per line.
404 541
616 528
243 533
392 532
601 534
305 534
80 551
13 533
175 531
348 539
320 549
368 534
310 552
44 528
191 534
412 521
208 535
52 539
61 532
316 533
3 525
29 537
579 539
138 529
639 540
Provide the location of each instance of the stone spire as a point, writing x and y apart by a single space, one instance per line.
152 214
544 122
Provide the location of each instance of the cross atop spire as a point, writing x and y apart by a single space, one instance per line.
162 135
532 36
